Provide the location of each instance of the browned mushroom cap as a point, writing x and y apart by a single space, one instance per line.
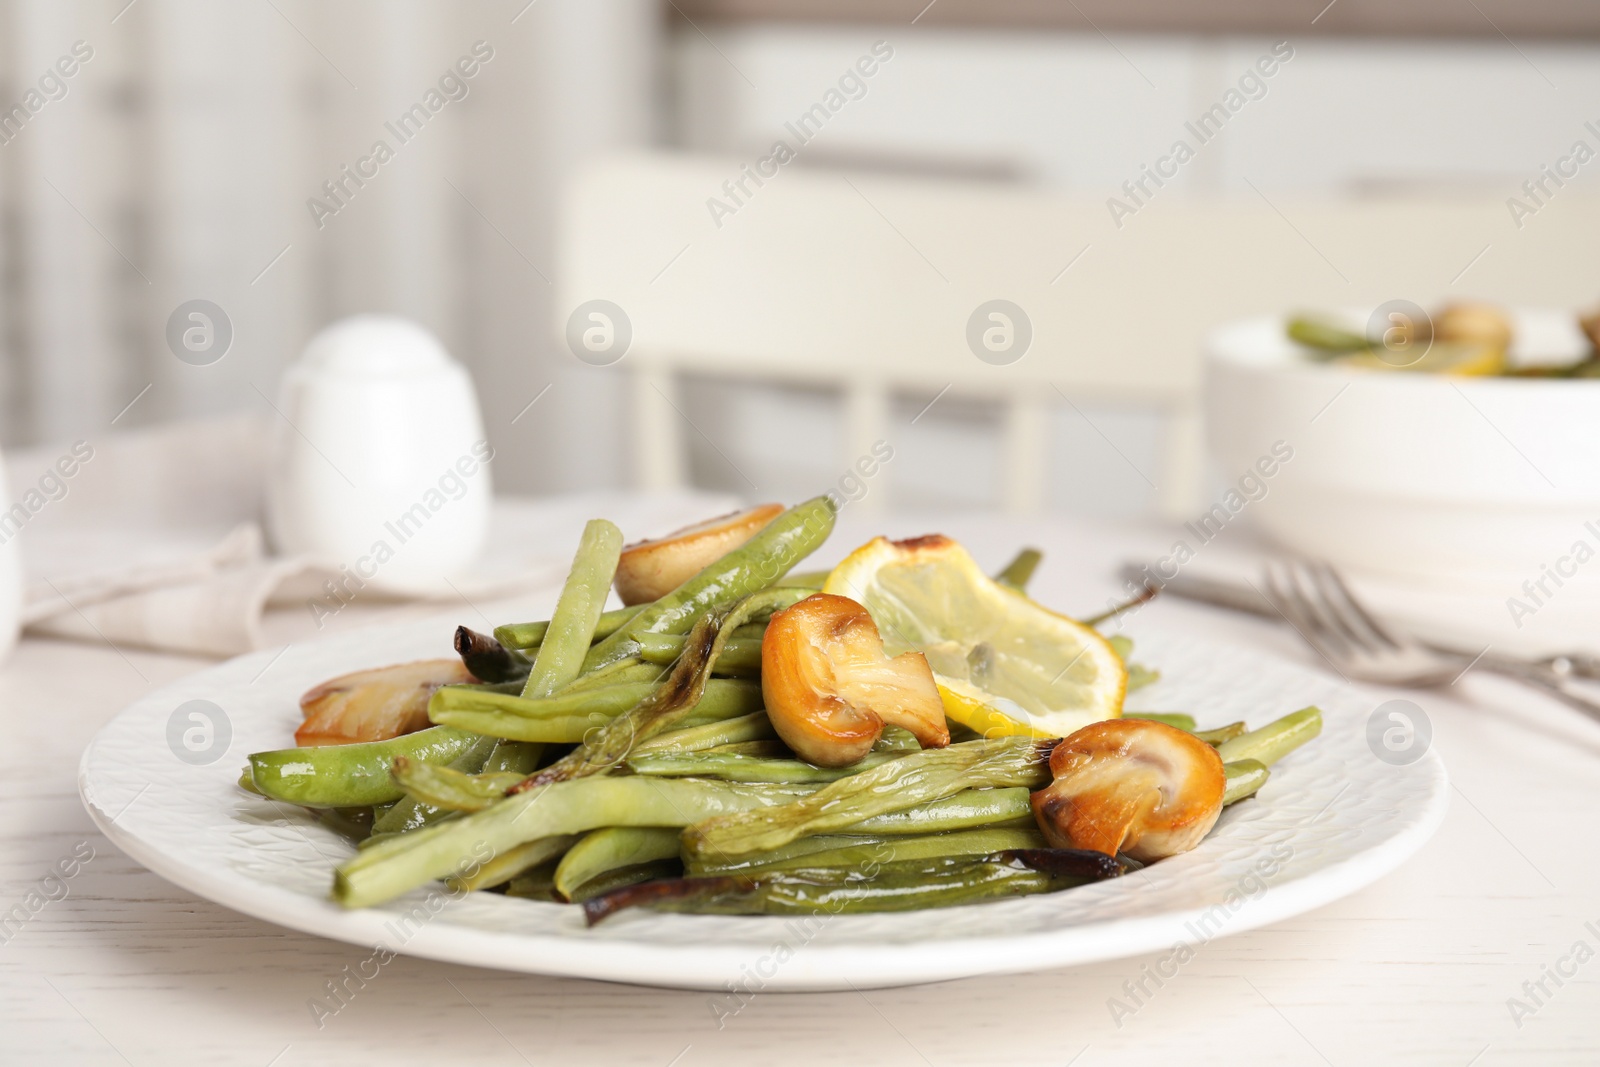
1480 323
1590 325
1131 785
649 570
375 705
830 688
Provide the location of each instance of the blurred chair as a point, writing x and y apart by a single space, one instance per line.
866 284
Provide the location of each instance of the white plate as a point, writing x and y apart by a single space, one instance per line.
1333 818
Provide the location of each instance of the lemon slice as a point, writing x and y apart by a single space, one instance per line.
1462 358
1004 664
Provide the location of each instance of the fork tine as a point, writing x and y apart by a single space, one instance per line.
1313 604
1354 606
1291 603
1335 608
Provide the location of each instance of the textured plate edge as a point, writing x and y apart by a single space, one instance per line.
710 968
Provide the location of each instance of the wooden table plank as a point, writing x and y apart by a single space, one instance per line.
1416 969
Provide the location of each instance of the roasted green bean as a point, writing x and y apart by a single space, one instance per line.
1170 718
452 790
1019 572
569 717
904 886
566 641
751 567
1222 733
488 659
504 866
456 847
732 767
744 729
967 809
355 775
741 657
1276 739
916 778
613 847
840 850
409 812
520 757
672 700
523 636
1244 778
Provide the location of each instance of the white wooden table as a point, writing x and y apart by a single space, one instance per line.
1419 968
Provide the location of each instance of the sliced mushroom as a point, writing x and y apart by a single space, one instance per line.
830 688
375 705
649 570
1133 786
1482 324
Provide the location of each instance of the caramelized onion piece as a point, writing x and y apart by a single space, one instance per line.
830 688
648 570
375 705
1132 786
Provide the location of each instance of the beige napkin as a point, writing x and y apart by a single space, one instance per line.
153 538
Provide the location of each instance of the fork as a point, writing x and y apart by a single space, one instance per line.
1314 599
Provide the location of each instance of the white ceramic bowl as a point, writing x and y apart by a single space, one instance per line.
1446 481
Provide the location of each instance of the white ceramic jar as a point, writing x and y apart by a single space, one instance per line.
380 465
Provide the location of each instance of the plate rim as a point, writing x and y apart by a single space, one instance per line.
821 966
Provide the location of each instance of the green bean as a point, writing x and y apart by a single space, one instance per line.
509 864
1140 676
1019 572
1325 336
1144 596
896 739
1245 777
735 768
813 580
452 790
742 730
1276 739
536 883
488 659
1222 733
630 671
741 657
916 778
894 886
394 866
523 636
759 749
583 598
615 846
354 775
964 811
697 866
409 813
621 877
753 566
672 700
354 823
1171 718
840 850
568 717
520 757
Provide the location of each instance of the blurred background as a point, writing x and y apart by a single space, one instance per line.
187 153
